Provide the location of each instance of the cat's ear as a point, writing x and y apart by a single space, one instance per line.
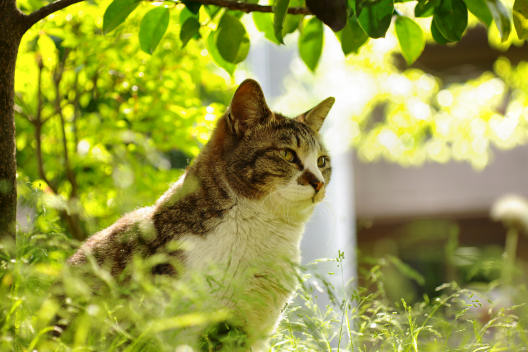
315 117
248 107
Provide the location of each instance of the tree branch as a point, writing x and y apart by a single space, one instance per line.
247 7
37 124
47 10
57 77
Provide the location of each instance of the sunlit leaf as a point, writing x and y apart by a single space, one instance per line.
213 50
480 10
501 17
264 23
451 19
117 12
153 26
185 14
232 39
189 30
375 16
280 8
291 23
311 43
332 12
520 18
411 38
352 37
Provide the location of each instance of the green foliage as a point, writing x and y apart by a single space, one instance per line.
129 118
449 22
117 12
279 9
311 43
410 37
425 8
100 313
232 39
190 29
352 37
520 18
501 16
480 10
375 16
152 28
450 18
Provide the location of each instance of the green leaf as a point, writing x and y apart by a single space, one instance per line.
480 10
352 36
501 16
212 10
213 50
185 14
425 8
520 18
152 28
451 19
411 38
232 39
264 23
117 12
190 29
333 13
280 8
291 23
437 36
375 16
311 43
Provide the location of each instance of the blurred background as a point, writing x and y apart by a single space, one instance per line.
421 155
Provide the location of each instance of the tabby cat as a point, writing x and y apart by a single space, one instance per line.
237 213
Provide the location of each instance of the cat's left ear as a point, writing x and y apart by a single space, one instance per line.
315 117
248 107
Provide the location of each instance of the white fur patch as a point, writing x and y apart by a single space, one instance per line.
253 253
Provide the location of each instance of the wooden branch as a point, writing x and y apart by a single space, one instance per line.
37 124
57 77
247 7
47 10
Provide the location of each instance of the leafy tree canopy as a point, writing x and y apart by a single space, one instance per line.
124 117
222 24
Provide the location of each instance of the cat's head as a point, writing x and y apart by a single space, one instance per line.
269 156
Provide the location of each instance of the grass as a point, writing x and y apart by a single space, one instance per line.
160 314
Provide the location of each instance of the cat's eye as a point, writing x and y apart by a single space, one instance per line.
288 155
322 161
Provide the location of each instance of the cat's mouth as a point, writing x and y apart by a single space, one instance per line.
318 196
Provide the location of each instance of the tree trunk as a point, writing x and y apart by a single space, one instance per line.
12 27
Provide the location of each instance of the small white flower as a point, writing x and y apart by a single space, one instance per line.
512 210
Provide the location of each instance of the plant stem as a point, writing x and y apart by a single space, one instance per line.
510 253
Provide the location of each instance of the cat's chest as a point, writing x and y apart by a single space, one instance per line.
245 239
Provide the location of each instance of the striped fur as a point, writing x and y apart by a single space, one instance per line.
238 211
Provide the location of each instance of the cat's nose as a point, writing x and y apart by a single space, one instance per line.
308 178
317 185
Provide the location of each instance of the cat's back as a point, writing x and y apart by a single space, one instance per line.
116 244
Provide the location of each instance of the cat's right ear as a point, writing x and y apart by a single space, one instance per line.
248 108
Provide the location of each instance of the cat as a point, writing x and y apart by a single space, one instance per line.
238 212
